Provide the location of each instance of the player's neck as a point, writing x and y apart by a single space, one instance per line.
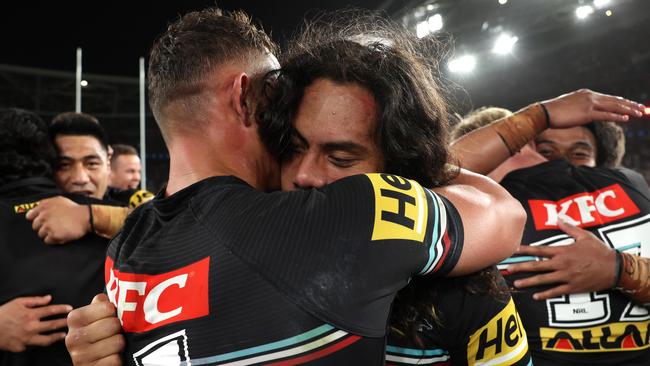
194 159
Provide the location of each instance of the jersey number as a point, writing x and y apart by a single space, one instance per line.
593 308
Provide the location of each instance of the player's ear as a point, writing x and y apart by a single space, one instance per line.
240 88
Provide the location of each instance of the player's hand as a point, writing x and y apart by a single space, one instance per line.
585 106
585 266
21 325
94 334
58 220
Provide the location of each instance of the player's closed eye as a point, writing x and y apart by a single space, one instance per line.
342 162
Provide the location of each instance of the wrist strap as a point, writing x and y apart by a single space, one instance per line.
517 130
548 118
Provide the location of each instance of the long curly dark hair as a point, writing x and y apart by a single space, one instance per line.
25 148
359 47
400 71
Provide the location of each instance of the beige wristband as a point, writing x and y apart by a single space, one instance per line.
108 220
517 130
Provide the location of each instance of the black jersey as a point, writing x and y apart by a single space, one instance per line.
72 273
128 197
598 328
220 273
470 329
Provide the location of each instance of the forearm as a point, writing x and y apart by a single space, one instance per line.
635 277
484 149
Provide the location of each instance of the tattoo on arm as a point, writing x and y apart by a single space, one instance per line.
635 277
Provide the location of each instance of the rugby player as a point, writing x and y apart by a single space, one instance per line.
41 283
336 133
83 168
593 289
125 167
586 303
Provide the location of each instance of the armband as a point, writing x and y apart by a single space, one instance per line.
517 130
108 220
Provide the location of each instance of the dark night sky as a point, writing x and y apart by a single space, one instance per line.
114 34
556 53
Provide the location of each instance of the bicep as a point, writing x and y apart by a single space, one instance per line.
493 221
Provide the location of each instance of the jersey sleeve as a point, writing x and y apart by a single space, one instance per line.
343 251
446 242
474 327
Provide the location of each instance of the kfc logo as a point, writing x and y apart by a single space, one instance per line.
584 209
145 302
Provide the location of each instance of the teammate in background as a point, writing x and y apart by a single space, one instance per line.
125 167
82 167
583 319
41 284
82 164
581 306
303 268
599 144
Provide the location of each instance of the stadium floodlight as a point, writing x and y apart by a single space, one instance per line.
83 83
431 25
599 4
435 23
504 44
462 64
422 29
584 11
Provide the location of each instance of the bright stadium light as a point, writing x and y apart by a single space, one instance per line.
435 23
422 29
599 4
83 83
504 44
463 64
431 25
584 11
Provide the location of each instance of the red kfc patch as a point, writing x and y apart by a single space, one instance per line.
146 302
584 209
